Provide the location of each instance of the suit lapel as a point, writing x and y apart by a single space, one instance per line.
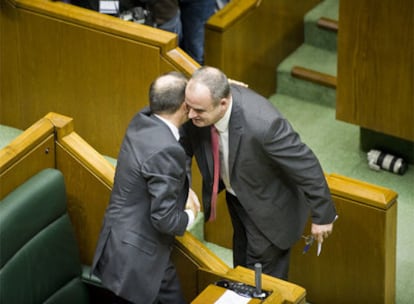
208 154
235 129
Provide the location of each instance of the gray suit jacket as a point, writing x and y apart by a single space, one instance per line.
145 213
276 177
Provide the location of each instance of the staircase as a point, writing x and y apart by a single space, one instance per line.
309 73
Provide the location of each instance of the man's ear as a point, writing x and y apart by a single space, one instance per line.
184 107
224 101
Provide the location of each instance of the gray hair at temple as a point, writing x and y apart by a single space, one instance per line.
215 80
167 93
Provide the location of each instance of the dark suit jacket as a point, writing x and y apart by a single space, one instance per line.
145 213
275 176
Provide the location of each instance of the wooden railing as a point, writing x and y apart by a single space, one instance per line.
53 143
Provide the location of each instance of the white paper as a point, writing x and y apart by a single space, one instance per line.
230 297
109 6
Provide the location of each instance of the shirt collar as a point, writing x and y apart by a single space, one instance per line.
223 124
170 125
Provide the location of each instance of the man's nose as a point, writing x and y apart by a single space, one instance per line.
191 113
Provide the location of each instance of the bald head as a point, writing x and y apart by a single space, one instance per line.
167 93
207 96
214 80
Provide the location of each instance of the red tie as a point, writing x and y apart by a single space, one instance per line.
216 160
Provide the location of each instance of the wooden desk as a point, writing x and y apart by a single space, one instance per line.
280 291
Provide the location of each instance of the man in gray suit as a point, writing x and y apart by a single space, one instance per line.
150 202
273 181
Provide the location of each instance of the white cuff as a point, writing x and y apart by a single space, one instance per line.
191 217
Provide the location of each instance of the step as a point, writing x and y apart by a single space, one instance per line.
320 25
314 76
308 57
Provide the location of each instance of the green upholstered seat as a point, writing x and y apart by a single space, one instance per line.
39 257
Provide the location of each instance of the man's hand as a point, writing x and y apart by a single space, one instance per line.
232 81
192 202
321 232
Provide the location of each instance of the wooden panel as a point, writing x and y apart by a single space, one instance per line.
93 67
83 74
39 157
357 263
188 257
9 62
26 155
24 143
248 39
87 197
220 231
375 66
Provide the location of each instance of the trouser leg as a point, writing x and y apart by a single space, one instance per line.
250 245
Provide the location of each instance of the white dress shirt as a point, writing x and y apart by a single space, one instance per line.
222 127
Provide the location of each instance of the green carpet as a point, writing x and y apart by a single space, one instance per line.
313 35
310 57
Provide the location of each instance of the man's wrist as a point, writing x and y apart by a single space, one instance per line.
191 217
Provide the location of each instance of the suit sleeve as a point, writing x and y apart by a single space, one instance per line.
168 190
300 165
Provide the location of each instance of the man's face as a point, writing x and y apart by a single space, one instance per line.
201 109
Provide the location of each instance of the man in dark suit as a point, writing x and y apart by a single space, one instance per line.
147 206
273 181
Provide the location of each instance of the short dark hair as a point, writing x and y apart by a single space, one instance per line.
167 93
215 80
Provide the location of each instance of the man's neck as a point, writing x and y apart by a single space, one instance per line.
172 118
169 121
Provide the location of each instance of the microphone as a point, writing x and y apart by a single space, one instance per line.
258 281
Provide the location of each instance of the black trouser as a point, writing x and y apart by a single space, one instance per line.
169 293
250 245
